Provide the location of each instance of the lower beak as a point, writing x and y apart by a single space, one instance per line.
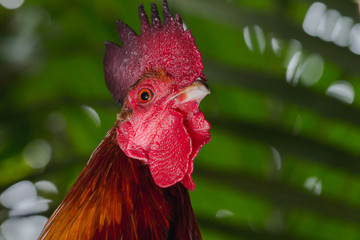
196 91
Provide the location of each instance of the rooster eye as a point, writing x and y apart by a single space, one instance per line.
145 95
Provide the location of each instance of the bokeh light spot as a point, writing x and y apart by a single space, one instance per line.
223 213
26 228
313 184
37 153
313 17
355 39
247 38
46 186
312 70
11 4
341 32
17 193
291 69
276 157
342 90
93 115
260 36
327 25
276 46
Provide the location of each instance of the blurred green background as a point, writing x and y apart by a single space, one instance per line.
283 162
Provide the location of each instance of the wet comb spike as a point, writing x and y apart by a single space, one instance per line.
126 34
155 19
166 47
144 20
178 19
168 17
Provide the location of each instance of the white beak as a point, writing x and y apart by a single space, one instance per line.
194 92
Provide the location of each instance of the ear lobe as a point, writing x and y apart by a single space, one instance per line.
125 137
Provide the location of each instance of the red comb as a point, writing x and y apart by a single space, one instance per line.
167 47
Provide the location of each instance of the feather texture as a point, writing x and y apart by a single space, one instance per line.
115 197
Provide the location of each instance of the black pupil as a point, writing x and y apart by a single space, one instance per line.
145 96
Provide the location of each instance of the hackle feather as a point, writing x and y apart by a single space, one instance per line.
115 197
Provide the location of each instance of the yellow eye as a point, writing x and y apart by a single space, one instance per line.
145 95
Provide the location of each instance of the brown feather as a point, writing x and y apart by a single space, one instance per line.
115 197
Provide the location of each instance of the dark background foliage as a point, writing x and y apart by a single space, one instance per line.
283 162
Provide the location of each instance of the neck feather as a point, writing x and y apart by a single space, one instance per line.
115 197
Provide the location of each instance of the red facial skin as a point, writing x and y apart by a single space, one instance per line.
166 132
117 196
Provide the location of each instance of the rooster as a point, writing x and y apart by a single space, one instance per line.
135 185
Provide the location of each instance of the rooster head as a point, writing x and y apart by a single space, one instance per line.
157 77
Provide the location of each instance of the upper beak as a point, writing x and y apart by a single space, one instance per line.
196 91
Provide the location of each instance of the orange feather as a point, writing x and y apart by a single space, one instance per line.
115 197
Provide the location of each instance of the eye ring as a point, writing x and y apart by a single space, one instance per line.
145 95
